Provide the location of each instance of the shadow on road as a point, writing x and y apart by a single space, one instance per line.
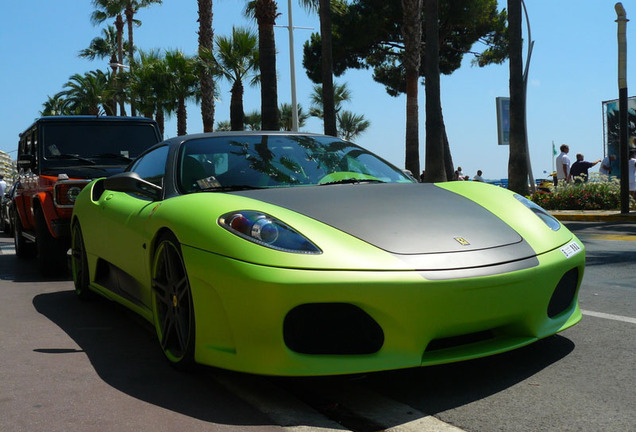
125 354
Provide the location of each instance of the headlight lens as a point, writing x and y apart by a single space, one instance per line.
265 230
546 217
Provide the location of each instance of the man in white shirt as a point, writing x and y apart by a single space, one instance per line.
606 165
563 164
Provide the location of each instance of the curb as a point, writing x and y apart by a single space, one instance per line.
594 216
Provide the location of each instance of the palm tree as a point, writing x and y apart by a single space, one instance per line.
223 126
412 33
265 12
341 94
253 121
434 167
286 119
206 42
237 57
184 84
151 83
107 9
131 7
517 161
329 108
351 125
54 106
87 94
107 47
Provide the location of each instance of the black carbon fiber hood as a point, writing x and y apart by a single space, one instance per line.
405 219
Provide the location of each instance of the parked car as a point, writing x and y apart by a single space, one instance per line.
7 210
57 157
300 254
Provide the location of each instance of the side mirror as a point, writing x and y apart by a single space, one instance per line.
130 182
25 161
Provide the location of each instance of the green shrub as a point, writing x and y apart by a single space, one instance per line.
597 194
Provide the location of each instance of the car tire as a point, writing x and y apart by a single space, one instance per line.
51 252
173 309
23 248
79 263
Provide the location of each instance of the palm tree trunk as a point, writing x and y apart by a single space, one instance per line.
329 108
266 14
435 171
206 41
119 25
517 161
412 32
160 118
237 116
130 15
182 117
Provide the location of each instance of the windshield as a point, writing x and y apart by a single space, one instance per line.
264 161
103 143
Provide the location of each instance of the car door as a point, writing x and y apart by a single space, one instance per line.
127 236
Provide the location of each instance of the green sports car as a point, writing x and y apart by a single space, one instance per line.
300 254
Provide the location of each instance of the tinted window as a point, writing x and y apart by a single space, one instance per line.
97 140
152 166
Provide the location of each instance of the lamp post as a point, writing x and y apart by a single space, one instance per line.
533 186
621 19
292 64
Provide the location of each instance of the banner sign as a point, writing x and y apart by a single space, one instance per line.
503 120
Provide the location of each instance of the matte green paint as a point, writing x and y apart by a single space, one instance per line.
242 291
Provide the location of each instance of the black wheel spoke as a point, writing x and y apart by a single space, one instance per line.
173 302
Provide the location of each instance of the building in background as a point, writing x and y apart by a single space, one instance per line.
7 168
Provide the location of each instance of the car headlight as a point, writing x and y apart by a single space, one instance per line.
546 217
265 230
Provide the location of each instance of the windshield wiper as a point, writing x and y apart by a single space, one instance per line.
112 156
72 156
351 181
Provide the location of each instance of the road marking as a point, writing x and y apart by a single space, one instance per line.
611 237
287 410
609 316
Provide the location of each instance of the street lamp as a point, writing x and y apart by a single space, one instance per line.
621 19
292 64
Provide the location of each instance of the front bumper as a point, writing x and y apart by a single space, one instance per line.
242 314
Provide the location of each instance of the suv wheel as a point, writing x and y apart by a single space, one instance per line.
23 248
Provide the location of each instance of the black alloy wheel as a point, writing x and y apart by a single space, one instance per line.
172 303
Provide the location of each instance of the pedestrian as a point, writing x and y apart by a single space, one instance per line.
563 164
459 175
3 186
606 165
632 173
579 170
478 177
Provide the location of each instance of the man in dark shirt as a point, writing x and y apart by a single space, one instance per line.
580 167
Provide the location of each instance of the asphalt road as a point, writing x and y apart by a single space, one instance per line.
67 365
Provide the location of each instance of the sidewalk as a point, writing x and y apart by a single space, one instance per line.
594 216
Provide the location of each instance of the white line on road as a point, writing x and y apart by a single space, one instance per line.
609 316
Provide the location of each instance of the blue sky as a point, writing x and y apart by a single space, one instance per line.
572 70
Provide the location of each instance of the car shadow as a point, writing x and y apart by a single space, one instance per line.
122 348
124 352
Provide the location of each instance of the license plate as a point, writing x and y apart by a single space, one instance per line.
571 249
